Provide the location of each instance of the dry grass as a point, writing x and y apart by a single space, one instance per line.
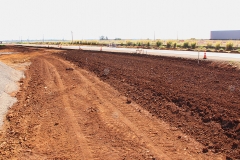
211 45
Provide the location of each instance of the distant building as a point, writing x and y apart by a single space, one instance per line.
225 35
0 42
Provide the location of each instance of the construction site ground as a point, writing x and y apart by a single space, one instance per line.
76 104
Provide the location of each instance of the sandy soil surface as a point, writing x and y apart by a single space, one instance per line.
89 109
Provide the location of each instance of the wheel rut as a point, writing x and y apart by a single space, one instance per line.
71 116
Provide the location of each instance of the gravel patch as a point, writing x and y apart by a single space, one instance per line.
8 84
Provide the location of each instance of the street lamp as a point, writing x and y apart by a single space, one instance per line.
72 36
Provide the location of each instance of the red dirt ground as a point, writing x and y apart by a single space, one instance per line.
121 106
201 100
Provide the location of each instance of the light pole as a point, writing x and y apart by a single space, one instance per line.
72 36
154 35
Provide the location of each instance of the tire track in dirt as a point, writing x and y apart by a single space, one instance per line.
109 124
71 116
116 120
112 120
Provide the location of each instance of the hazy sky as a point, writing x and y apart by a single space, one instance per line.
126 19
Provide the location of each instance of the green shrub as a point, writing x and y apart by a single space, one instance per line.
185 45
158 43
94 43
217 46
169 44
209 45
193 45
129 43
179 45
229 46
174 45
148 44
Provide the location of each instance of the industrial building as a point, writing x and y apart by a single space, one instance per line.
225 35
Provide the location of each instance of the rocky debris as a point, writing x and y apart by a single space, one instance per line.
205 150
69 69
129 101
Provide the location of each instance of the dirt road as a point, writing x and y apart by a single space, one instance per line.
65 112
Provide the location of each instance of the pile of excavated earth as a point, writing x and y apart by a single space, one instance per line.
76 104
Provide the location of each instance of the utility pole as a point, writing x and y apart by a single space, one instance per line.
43 38
154 35
72 36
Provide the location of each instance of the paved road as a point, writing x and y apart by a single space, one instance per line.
184 54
